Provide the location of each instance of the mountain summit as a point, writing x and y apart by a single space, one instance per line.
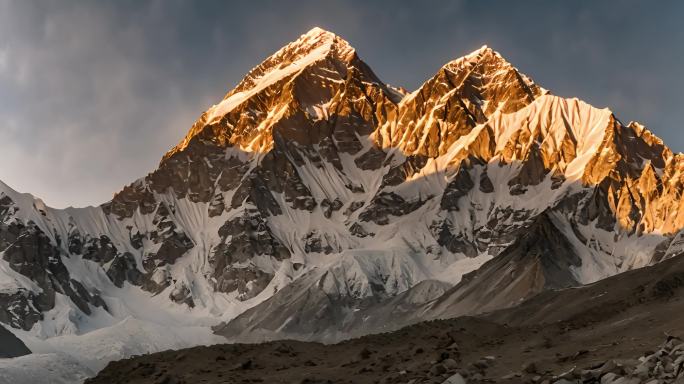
314 196
299 83
464 93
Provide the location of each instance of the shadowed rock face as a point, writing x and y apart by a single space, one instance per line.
242 238
10 345
540 258
28 251
388 204
458 187
312 160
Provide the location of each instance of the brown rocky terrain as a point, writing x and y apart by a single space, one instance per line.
618 318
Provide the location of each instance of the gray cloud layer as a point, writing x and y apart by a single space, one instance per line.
93 93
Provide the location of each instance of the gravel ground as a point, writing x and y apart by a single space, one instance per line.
558 337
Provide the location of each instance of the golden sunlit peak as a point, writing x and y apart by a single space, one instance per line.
318 31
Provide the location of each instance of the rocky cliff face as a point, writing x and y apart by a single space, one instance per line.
313 177
10 345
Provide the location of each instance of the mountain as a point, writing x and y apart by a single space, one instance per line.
314 193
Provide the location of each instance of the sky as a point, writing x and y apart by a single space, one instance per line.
93 93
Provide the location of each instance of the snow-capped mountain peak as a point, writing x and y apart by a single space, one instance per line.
465 92
318 52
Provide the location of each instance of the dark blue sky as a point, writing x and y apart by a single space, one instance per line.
93 93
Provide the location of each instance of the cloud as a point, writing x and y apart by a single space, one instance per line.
93 93
83 95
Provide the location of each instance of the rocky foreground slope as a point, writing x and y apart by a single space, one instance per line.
590 334
315 202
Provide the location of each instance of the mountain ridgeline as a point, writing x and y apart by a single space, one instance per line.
317 202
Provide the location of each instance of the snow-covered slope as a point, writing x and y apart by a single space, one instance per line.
314 189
